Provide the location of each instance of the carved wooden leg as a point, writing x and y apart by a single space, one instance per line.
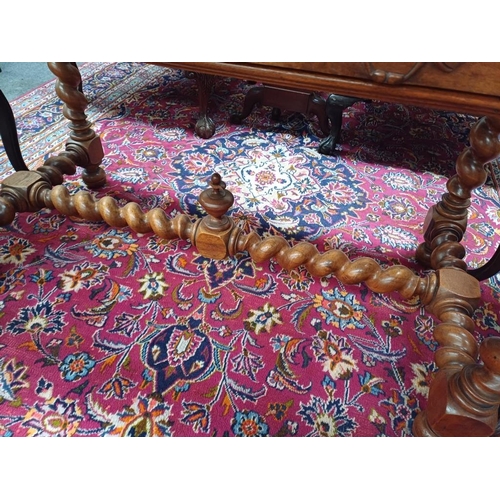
254 96
335 105
446 222
83 143
205 127
465 395
317 107
80 86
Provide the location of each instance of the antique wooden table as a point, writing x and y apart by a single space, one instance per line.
464 397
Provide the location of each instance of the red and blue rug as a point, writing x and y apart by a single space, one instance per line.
105 332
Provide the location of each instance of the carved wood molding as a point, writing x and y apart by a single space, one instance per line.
382 76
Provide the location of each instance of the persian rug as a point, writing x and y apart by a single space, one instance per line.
105 332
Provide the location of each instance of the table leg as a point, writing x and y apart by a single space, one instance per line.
464 397
253 97
83 143
205 126
446 222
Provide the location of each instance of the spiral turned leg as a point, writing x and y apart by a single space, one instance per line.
464 397
446 222
464 402
83 141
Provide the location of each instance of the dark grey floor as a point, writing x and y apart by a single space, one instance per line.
17 78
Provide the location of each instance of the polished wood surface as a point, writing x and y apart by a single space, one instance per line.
447 221
83 141
472 88
481 78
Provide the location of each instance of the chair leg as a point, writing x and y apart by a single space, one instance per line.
317 107
254 96
335 106
205 127
8 133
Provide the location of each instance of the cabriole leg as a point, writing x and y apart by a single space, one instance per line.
205 126
335 105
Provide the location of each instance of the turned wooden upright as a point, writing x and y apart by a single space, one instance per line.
464 397
84 147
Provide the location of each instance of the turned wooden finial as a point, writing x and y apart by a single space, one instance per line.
216 200
216 234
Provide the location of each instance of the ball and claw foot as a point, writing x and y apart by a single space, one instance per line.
327 146
205 127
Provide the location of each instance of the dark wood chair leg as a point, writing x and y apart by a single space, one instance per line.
255 95
317 107
335 106
8 133
205 126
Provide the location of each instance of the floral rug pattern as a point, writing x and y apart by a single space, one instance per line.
104 332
